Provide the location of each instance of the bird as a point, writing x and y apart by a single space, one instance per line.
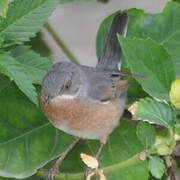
88 102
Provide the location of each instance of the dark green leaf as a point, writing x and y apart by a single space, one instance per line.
34 65
10 67
146 134
3 8
25 18
27 140
163 27
150 59
155 111
4 81
135 91
39 45
156 166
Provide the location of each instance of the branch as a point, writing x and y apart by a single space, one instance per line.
107 170
61 44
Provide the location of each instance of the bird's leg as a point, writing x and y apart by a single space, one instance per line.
55 169
98 153
89 171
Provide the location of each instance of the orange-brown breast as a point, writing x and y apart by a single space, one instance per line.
90 120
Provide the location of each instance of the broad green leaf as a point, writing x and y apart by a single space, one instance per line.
25 18
163 27
3 8
34 65
150 59
156 166
123 144
11 68
27 140
155 111
146 134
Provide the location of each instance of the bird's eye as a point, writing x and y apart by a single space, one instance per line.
67 85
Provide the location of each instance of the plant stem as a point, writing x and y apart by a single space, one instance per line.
61 44
123 165
107 170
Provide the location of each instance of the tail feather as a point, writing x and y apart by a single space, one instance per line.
110 57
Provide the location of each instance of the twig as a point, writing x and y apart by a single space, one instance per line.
61 44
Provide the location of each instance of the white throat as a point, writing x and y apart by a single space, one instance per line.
66 96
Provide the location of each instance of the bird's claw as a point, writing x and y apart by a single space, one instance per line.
89 173
52 172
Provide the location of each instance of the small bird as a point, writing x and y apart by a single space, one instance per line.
87 102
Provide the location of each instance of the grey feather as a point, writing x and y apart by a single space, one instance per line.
110 57
104 85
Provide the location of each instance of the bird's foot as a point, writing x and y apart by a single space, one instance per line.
90 174
94 174
52 172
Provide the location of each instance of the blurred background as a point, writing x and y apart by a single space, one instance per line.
77 24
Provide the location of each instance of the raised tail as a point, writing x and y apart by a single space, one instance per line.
111 54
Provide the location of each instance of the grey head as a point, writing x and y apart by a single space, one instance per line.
62 79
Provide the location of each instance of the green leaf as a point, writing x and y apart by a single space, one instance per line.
39 45
27 140
155 111
25 18
146 134
163 27
150 59
3 8
34 65
135 91
4 81
14 70
156 166
177 129
123 144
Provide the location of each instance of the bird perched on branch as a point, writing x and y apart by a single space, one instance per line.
87 102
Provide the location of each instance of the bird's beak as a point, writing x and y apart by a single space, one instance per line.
48 100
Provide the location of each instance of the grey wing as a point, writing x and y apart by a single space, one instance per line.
105 86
